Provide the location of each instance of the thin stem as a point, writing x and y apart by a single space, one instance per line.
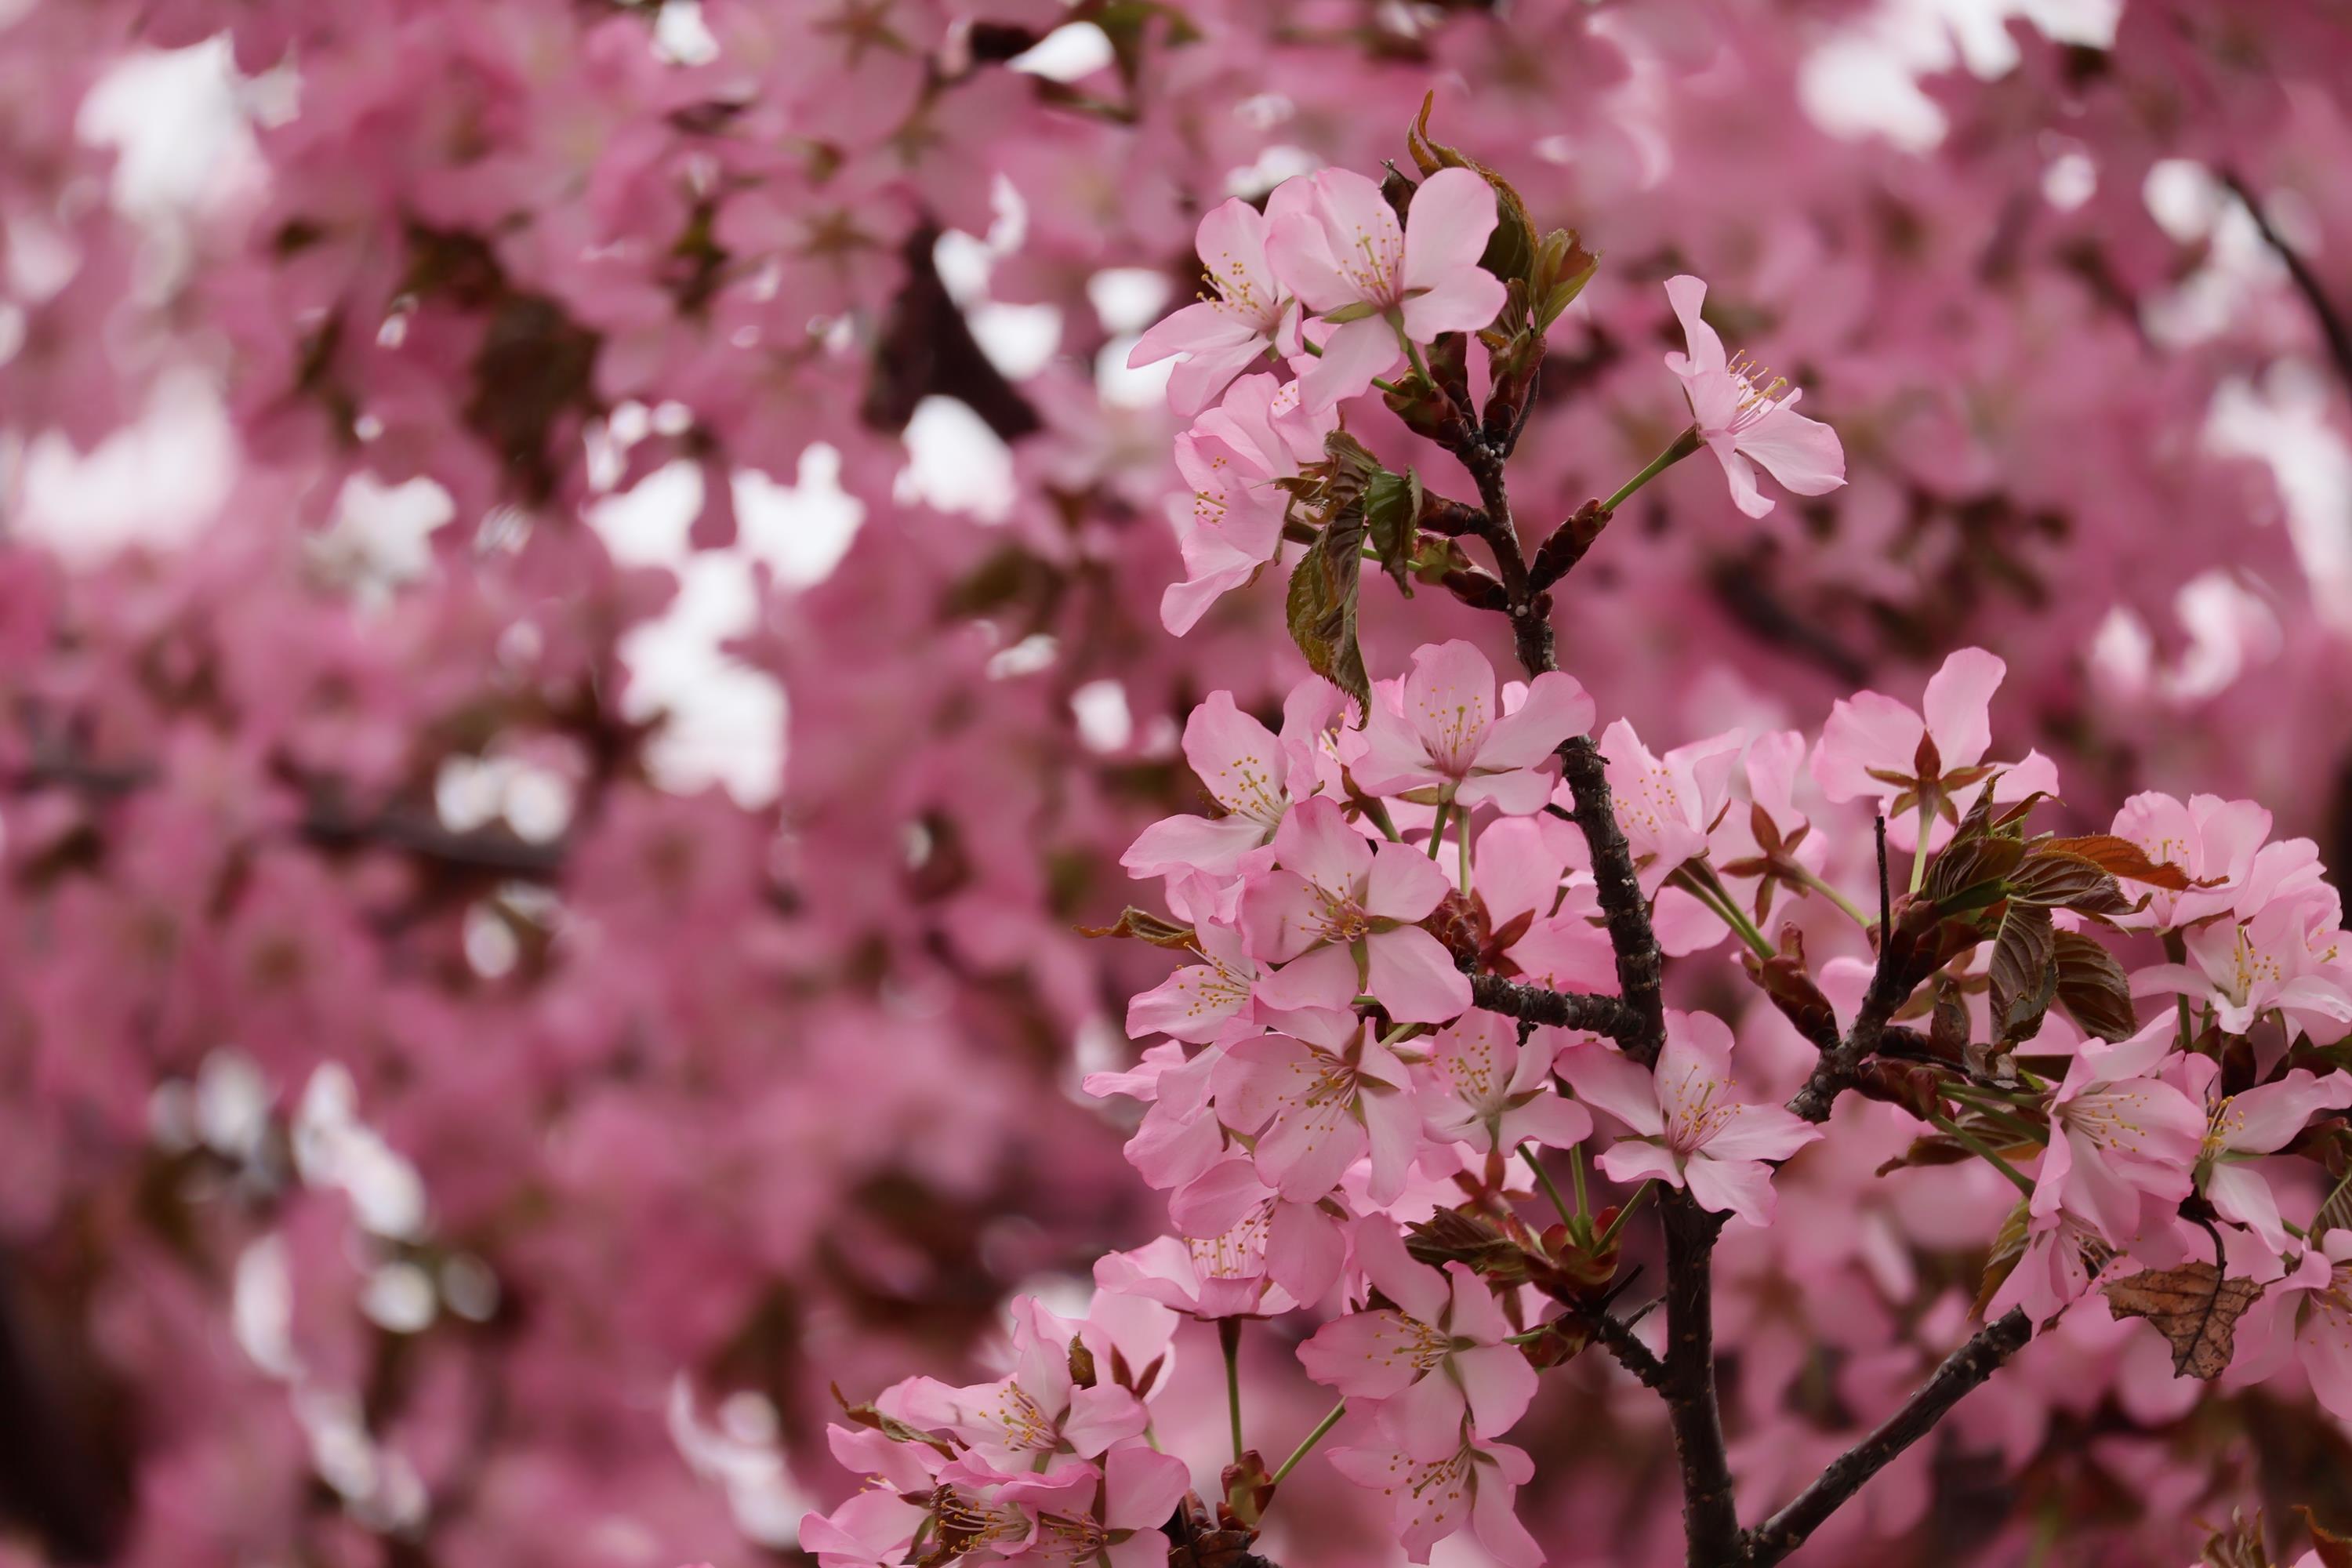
2320 1213
1625 1214
1984 1152
1682 447
1412 353
1437 828
1307 1446
1229 1335
1462 843
1719 903
1576 1174
1550 1187
1929 798
1801 874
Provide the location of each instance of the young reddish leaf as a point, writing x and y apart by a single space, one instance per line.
2126 859
2093 987
1144 926
2023 972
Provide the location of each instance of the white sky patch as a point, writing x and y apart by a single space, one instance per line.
1128 299
1863 80
955 462
681 38
801 529
1070 53
1141 386
739 1450
1105 723
155 481
333 1148
2285 422
177 119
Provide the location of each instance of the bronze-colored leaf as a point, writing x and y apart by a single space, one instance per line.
2093 987
1392 512
1144 926
2193 1307
2334 1551
2008 1246
2060 880
2022 973
2126 859
1321 607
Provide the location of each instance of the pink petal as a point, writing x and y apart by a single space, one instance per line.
1743 1187
1424 1419
1236 757
1958 705
1282 917
1177 844
1498 1383
1872 730
1141 1487
1556 707
1413 976
1326 977
1604 1076
1404 884
1741 477
1466 300
1689 295
1101 1417
1364 1355
1547 1120
1472 1312
1449 699
1304 1251
1447 227
1803 454
1354 354
1315 842
1631 1161
1422 1292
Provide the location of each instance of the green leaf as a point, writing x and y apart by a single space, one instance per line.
1322 603
2008 1246
1393 511
2092 986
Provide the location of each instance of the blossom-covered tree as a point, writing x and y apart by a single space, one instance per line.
442 1127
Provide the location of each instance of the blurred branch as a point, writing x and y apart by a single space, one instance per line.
1962 1371
2332 324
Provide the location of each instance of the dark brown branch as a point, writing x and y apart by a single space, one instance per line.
1617 1336
1560 1009
1962 1371
1710 1513
1625 911
2333 326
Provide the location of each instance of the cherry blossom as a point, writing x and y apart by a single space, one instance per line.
1744 413
1471 1489
1482 1087
1439 1354
2118 1131
1688 1130
1383 285
1338 917
1248 315
1317 1104
1444 731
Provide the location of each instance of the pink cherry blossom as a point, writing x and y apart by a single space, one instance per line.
2277 961
1743 414
1482 1087
1316 1105
1436 1357
1249 772
1033 1413
1542 921
1338 918
1111 1514
1231 524
1688 1130
2238 1128
2211 840
1340 249
2306 1316
2116 1131
1224 1276
1443 730
1222 335
1873 748
1471 1489
1199 1000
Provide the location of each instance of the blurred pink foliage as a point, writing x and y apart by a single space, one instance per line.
430 1137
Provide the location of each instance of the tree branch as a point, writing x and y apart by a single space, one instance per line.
1560 1009
1962 1371
1710 1514
2333 326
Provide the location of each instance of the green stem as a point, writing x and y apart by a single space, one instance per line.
1306 1447
2010 1123
1682 447
1437 828
1550 1187
1719 900
2321 1212
1412 353
1930 798
1229 1335
1461 845
1983 1151
1625 1214
1831 894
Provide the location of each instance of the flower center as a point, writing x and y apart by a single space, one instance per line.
1759 390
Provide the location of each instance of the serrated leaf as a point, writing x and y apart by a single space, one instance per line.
2193 1307
1322 603
1959 877
1391 512
1144 926
2126 859
2333 1550
2056 880
2022 973
2093 987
